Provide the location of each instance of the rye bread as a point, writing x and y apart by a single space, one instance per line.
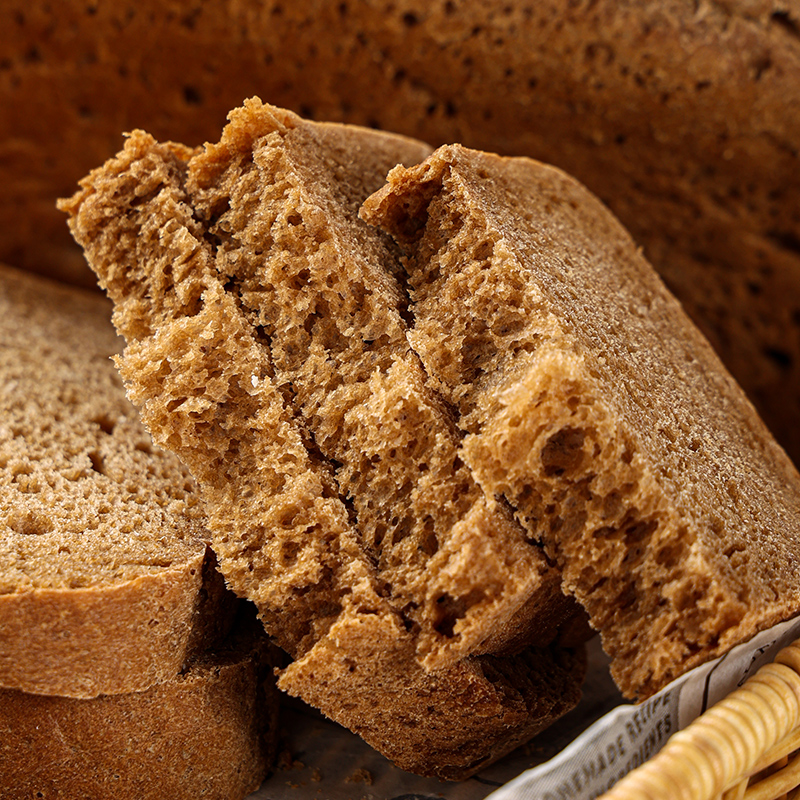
210 731
597 409
203 252
107 584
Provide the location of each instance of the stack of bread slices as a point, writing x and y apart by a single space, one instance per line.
437 422
127 669
425 414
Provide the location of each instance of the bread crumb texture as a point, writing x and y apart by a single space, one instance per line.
596 409
267 346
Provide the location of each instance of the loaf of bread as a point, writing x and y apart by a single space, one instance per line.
267 347
107 585
683 117
210 732
596 409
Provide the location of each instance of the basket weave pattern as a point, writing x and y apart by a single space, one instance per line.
743 748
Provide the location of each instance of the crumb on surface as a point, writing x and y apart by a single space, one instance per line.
360 776
286 761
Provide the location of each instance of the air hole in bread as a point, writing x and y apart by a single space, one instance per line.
429 542
97 462
29 524
409 623
175 404
638 530
289 552
402 528
783 19
378 535
105 423
563 452
671 553
449 610
484 250
302 278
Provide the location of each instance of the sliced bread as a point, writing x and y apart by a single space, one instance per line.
210 732
267 348
596 408
107 585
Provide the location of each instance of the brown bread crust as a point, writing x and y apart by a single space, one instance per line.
210 731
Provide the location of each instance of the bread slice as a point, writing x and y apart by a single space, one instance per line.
267 348
107 585
596 409
210 731
449 722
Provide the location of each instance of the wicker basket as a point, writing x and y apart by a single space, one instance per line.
746 746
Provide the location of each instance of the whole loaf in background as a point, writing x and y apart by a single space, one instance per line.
683 116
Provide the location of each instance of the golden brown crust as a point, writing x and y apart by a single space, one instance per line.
107 584
109 640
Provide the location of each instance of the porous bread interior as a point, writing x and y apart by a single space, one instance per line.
318 286
203 376
86 499
281 533
215 259
597 410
